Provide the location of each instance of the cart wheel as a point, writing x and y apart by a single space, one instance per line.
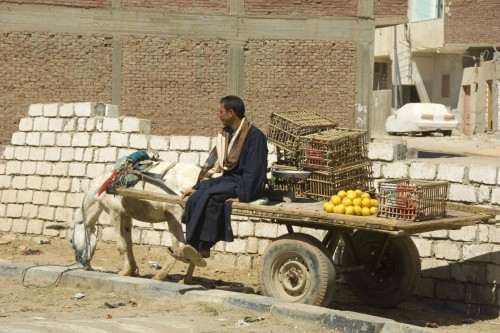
298 268
397 275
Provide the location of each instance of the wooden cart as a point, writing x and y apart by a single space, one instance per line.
379 260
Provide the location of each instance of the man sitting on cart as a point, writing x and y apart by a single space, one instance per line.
241 155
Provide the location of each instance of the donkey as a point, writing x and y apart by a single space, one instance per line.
122 210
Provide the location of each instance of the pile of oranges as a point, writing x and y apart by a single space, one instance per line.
352 202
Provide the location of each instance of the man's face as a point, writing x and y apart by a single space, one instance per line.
226 116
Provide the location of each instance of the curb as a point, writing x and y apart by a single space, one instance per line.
343 321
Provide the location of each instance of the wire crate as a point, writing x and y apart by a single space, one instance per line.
323 184
334 148
412 200
285 129
287 183
287 157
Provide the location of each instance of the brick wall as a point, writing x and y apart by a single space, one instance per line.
68 3
391 8
175 82
178 6
472 22
43 67
301 7
59 147
302 75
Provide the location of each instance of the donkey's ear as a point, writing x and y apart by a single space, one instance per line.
57 226
154 154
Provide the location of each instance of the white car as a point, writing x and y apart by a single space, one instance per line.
424 118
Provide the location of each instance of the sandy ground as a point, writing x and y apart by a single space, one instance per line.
18 302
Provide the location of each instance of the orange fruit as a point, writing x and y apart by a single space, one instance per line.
366 202
347 202
349 210
365 195
329 207
356 202
357 210
336 200
365 211
374 203
351 195
340 209
358 193
324 205
373 210
342 194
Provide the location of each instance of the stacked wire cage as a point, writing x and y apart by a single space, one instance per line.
412 200
285 132
338 160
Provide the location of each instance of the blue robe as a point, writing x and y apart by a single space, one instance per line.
207 217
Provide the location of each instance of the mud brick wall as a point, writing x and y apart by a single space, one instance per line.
59 147
69 3
301 7
391 8
178 6
467 22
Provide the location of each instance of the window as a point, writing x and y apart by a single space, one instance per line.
421 10
445 85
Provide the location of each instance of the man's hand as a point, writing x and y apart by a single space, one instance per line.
233 200
188 193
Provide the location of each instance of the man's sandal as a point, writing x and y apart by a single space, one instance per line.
193 256
178 254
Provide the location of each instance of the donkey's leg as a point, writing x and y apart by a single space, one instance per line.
122 225
173 216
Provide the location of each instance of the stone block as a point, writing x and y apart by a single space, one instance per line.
5 181
246 229
494 233
136 125
420 170
30 211
34 182
33 138
26 124
56 124
113 111
8 153
179 143
386 151
77 169
252 245
158 142
244 262
263 244
451 291
53 154
483 194
477 252
67 110
51 110
107 155
14 211
81 139
469 272
48 139
111 124
95 169
483 233
22 153
24 196
435 268
125 152
189 158
171 156
492 273
49 184
37 154
397 169
138 141
40 197
201 143
465 234
74 200
57 198
483 174
377 169
70 125
108 234
238 246
119 140
35 110
425 288
480 294
19 226
34 226
12 167
28 167
63 139
451 172
63 214
40 124
89 109
5 223
64 185
18 139
266 230
495 196
99 139
463 193
424 246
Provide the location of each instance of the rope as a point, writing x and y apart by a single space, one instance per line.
55 283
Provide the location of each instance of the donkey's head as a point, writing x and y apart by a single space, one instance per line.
83 237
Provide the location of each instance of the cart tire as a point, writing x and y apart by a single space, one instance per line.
396 279
298 268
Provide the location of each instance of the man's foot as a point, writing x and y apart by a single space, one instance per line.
193 256
178 254
205 253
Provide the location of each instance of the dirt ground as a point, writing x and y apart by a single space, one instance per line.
17 302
